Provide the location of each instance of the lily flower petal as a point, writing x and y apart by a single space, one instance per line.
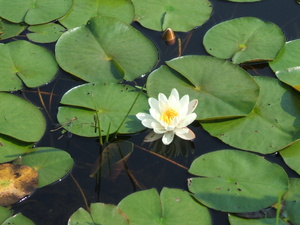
152 136
189 135
168 137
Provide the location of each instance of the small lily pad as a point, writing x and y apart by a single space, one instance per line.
16 182
27 62
105 50
286 66
111 102
33 11
291 202
223 90
51 164
245 39
83 10
172 207
234 220
162 14
18 219
45 33
100 213
272 125
20 119
8 29
236 181
4 214
291 156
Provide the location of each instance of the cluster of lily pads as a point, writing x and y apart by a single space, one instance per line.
96 43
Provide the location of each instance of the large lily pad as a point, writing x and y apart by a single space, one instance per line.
51 164
4 214
172 207
20 119
223 89
100 213
234 220
45 33
24 61
8 29
18 219
286 66
83 10
111 102
272 125
236 181
245 39
33 11
163 14
16 182
106 49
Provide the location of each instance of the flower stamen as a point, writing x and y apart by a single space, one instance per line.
168 115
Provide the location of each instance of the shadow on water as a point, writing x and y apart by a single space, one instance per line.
55 203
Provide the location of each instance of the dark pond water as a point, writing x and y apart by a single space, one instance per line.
55 203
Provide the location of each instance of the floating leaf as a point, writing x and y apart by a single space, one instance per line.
291 156
51 164
110 101
83 10
244 0
287 66
101 213
245 39
291 202
172 207
45 33
112 159
236 181
4 214
234 220
8 29
224 90
24 61
18 219
33 11
272 125
20 119
163 14
12 148
106 49
16 182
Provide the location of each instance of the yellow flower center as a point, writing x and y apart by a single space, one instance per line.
168 115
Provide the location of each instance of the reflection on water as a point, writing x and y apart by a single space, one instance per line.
55 203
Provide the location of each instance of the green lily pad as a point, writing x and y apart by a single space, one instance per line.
245 39
12 148
172 207
18 219
20 119
291 202
45 33
291 156
4 214
51 164
223 90
100 213
83 10
287 66
272 125
33 11
236 181
8 29
27 62
104 50
234 220
162 14
110 101
244 0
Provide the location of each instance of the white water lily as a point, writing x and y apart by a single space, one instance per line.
169 117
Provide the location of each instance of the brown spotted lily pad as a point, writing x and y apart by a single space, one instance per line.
16 182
